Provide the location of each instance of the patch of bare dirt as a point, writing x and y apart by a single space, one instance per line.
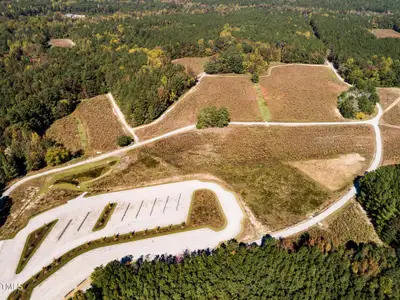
386 33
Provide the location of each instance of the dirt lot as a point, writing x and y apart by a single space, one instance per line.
302 93
385 33
387 96
92 127
195 64
252 161
334 173
349 224
391 145
235 93
62 43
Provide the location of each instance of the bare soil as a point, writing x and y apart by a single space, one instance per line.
65 131
192 64
302 93
62 43
334 173
235 93
391 145
387 96
386 33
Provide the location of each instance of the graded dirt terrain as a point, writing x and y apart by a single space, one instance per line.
62 43
389 99
334 173
300 93
253 161
92 127
386 33
194 64
235 93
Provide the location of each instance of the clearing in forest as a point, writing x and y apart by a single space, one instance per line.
62 43
253 161
386 33
334 173
237 94
92 127
389 98
391 145
192 64
297 93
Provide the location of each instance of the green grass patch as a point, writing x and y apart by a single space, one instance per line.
33 241
104 217
262 104
82 134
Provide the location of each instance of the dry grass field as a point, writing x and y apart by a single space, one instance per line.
349 224
391 145
206 210
195 64
250 160
62 43
235 93
302 93
387 96
92 127
386 33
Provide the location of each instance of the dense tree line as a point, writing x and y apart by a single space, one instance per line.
314 269
379 194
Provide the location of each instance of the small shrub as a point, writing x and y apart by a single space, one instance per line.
124 140
212 117
255 77
57 155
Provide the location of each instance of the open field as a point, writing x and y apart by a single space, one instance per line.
387 96
235 93
333 173
206 210
92 127
348 224
194 64
62 43
252 161
302 93
386 33
391 145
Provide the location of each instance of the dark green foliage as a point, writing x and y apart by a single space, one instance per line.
57 155
270 271
230 61
379 194
212 117
5 208
355 101
124 140
255 78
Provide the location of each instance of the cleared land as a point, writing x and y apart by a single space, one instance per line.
386 33
391 145
194 64
334 173
237 94
206 210
92 127
387 96
252 161
349 224
302 93
62 43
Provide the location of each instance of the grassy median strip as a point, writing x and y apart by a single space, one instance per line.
104 217
262 104
32 243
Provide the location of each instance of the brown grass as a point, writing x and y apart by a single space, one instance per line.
387 96
195 64
302 93
235 93
101 127
65 131
386 33
206 210
252 161
391 145
349 224
62 43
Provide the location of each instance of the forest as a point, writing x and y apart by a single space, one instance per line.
308 269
